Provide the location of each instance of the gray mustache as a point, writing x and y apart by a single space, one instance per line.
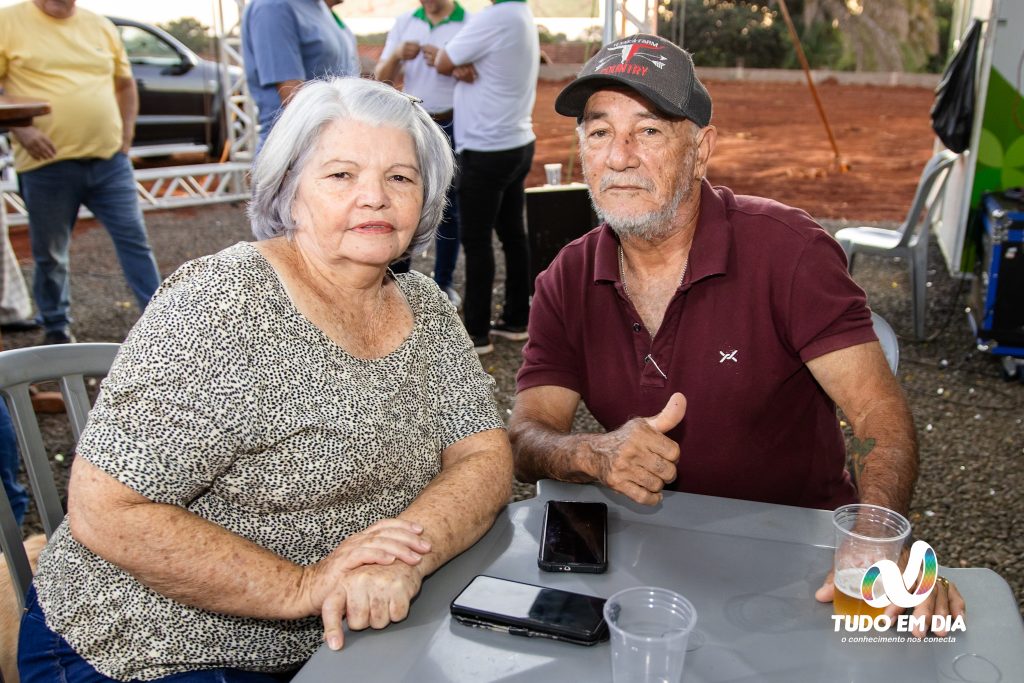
610 179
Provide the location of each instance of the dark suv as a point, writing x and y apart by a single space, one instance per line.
180 100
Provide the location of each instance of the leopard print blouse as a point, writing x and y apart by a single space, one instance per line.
225 400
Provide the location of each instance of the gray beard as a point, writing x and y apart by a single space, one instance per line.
650 226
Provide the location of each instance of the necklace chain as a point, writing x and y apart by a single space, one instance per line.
622 273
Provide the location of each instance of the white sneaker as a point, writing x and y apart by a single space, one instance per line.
454 297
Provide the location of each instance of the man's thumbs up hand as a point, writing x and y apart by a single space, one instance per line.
670 416
637 459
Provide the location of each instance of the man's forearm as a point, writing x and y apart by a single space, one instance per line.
543 452
387 69
128 105
884 455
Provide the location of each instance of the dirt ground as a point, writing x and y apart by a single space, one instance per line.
771 142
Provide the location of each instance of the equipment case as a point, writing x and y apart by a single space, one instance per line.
997 311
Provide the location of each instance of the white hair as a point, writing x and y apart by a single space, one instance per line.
276 171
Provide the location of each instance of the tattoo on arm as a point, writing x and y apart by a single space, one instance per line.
859 452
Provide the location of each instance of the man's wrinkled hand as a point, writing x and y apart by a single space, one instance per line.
637 459
35 142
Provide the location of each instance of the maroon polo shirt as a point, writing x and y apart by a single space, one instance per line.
766 290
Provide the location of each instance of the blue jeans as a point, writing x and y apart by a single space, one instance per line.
45 657
9 464
446 252
53 195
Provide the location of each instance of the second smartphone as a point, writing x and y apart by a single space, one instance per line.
575 537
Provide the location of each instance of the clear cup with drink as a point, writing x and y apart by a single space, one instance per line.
552 174
865 534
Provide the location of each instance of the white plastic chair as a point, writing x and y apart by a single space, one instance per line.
69 364
910 240
887 338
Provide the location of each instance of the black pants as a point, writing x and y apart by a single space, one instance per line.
491 200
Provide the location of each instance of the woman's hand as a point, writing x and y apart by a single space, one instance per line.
371 595
325 585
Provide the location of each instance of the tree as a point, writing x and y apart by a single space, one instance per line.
726 32
190 31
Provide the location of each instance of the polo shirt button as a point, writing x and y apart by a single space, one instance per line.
636 327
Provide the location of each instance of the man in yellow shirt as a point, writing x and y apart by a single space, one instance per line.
74 60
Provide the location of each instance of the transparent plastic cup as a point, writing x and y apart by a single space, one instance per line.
865 534
649 629
553 174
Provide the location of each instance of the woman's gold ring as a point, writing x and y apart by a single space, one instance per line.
944 581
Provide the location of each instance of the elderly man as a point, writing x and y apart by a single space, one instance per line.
74 59
711 334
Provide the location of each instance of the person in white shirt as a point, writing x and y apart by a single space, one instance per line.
496 57
408 53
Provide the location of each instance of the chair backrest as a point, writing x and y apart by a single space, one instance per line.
929 191
69 365
887 338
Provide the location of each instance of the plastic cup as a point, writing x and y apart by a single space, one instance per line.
865 534
553 174
649 629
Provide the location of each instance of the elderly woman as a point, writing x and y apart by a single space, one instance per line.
290 434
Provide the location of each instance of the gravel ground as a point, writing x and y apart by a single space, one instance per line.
970 422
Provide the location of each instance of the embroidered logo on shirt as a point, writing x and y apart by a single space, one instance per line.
728 355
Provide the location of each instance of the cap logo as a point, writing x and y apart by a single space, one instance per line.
627 57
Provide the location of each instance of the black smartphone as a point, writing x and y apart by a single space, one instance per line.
575 537
523 609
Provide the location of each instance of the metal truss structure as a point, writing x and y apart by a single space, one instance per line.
626 17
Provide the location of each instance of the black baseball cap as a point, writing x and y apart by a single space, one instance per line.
656 68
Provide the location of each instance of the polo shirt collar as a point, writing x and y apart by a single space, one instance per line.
709 253
457 14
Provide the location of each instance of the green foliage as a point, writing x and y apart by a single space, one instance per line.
372 39
727 32
944 18
547 37
190 31
834 34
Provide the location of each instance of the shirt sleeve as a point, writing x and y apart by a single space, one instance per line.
827 310
463 392
480 35
122 65
166 421
552 356
274 34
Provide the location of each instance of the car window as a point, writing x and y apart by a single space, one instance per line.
144 47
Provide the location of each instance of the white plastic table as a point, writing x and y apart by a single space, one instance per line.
750 569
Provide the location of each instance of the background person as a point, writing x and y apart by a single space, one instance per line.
289 436
497 56
729 323
414 35
74 60
287 42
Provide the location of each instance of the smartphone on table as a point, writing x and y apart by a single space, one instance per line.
523 609
575 537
